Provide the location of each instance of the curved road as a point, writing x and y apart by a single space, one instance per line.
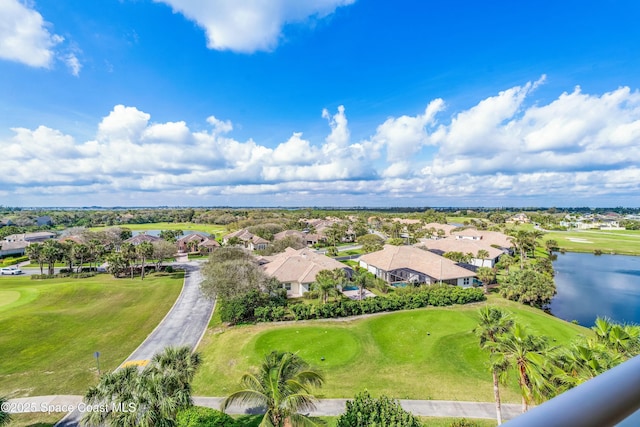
184 324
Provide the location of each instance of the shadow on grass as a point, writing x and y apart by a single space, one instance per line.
254 420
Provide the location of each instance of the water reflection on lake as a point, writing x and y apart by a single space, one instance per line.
590 286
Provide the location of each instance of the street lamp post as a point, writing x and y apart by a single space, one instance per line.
97 356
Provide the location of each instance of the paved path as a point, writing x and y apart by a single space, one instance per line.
184 324
325 407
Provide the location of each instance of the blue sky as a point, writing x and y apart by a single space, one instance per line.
319 103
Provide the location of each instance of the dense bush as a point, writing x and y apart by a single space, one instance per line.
365 411
198 416
412 298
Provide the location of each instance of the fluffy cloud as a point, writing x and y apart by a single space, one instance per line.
25 38
576 149
250 25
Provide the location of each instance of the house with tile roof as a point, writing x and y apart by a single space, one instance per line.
465 246
142 237
297 269
414 265
248 239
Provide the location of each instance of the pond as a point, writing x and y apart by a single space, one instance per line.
157 232
590 286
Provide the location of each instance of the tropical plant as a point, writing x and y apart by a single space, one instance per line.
34 252
365 411
326 283
144 251
493 323
528 287
526 353
198 416
486 275
5 416
283 385
151 397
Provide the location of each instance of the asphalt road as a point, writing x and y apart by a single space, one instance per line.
185 324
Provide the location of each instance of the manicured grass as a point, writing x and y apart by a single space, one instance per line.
35 419
625 242
186 227
429 353
49 334
254 421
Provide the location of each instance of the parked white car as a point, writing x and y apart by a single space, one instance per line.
10 270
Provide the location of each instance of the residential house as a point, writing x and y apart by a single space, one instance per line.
297 269
248 240
5 222
140 238
35 237
43 221
465 246
446 228
492 238
309 239
18 248
519 218
16 244
415 265
196 242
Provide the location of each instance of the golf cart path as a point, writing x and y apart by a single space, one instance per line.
324 407
184 324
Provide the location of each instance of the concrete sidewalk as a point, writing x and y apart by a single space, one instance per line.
328 407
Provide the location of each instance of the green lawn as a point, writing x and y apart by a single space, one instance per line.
186 227
52 329
624 242
419 354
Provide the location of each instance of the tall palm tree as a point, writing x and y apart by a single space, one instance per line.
527 354
144 251
34 252
325 284
283 386
128 251
482 255
5 416
493 323
486 275
155 394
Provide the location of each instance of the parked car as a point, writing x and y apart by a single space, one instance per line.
10 270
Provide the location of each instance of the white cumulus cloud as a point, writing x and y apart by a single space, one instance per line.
24 36
248 26
574 149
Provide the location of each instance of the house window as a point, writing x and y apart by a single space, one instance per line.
466 281
287 286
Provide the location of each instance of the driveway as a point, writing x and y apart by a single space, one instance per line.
184 324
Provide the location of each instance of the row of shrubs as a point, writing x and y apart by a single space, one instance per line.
264 309
82 275
5 262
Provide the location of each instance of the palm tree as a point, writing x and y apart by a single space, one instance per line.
486 275
326 284
150 398
144 250
128 251
360 279
51 252
34 252
5 416
482 255
527 354
493 323
283 386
